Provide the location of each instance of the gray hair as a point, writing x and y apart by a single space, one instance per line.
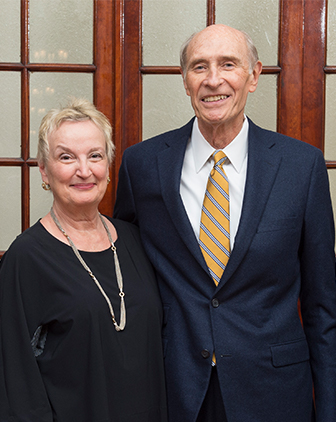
77 110
252 52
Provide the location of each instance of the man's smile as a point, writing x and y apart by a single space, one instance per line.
214 98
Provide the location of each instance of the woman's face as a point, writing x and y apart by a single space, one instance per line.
77 166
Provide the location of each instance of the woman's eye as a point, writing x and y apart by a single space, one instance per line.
65 157
96 155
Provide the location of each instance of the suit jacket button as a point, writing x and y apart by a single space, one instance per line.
215 303
205 353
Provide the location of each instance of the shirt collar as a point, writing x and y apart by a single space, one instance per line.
236 151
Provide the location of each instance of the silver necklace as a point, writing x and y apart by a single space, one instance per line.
117 270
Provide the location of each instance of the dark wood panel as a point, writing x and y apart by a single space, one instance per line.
9 162
290 62
49 67
176 70
313 83
160 70
211 12
118 81
301 97
103 48
330 70
132 58
61 67
11 67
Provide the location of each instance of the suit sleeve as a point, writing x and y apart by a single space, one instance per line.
318 291
22 394
124 208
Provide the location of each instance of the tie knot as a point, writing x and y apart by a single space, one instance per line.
219 157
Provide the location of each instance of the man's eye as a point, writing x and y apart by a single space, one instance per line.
199 67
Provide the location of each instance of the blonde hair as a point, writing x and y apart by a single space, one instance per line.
77 110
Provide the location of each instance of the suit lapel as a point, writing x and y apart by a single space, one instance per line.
170 162
262 169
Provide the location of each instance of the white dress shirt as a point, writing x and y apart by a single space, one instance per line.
197 165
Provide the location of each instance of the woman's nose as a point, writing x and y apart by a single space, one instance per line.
84 169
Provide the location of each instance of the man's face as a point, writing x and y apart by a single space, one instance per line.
218 78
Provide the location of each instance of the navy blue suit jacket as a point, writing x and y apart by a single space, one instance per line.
283 251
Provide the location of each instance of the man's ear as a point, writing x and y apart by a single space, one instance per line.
255 76
184 83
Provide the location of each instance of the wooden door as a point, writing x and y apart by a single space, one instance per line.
27 67
300 71
118 71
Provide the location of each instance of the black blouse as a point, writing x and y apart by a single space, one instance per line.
61 358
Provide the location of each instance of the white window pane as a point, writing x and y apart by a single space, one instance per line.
40 200
61 31
10 114
165 104
260 19
166 25
10 30
261 104
10 208
331 34
330 123
50 90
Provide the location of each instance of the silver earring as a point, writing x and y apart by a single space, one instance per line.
45 186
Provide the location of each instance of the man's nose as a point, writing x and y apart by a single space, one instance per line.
215 77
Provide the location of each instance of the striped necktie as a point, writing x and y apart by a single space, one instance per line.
214 236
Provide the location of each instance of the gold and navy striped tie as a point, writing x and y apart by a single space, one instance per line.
214 236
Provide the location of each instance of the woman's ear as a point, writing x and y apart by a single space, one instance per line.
43 172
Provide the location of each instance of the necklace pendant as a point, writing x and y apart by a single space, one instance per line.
117 270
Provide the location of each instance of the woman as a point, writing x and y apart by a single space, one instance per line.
80 337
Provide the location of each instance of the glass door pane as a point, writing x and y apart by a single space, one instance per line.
61 31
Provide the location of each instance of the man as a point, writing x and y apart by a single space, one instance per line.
235 347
